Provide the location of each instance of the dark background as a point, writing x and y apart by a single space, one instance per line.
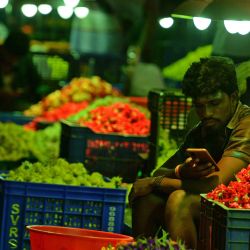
138 25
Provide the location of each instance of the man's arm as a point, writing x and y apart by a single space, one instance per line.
229 167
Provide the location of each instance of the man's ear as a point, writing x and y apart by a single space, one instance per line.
235 96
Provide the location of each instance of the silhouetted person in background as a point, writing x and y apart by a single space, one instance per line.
19 79
143 71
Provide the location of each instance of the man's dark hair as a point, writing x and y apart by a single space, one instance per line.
17 43
210 75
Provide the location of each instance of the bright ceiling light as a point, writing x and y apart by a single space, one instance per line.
29 10
201 23
241 27
44 9
71 3
65 12
226 10
81 12
3 3
231 26
244 27
166 22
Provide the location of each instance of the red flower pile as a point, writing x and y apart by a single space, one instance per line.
244 175
236 194
117 118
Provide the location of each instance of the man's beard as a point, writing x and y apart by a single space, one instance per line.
215 130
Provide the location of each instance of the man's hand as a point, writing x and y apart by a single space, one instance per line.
140 188
160 171
194 169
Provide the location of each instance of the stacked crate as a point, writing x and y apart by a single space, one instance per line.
169 111
109 154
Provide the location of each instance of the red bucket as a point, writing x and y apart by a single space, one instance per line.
68 238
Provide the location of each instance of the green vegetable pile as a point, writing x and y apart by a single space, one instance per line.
167 147
46 143
59 171
16 143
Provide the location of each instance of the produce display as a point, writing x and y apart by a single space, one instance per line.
18 143
163 242
50 46
117 118
236 194
167 147
101 102
59 171
57 114
78 90
114 115
176 70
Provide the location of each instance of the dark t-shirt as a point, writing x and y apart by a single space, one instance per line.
234 141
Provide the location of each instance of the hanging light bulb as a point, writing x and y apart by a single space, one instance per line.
226 10
44 9
81 12
201 23
29 10
3 3
65 12
166 22
233 26
243 27
71 3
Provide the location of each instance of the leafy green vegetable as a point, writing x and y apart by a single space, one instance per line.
163 242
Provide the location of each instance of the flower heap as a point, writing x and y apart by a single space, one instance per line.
236 194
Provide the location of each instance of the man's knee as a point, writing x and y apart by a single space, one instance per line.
149 200
180 202
175 198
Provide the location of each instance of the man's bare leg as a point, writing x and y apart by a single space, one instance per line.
148 214
182 210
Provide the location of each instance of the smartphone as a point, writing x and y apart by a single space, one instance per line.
203 155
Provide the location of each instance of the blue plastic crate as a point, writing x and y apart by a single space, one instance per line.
109 154
230 227
23 204
17 118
